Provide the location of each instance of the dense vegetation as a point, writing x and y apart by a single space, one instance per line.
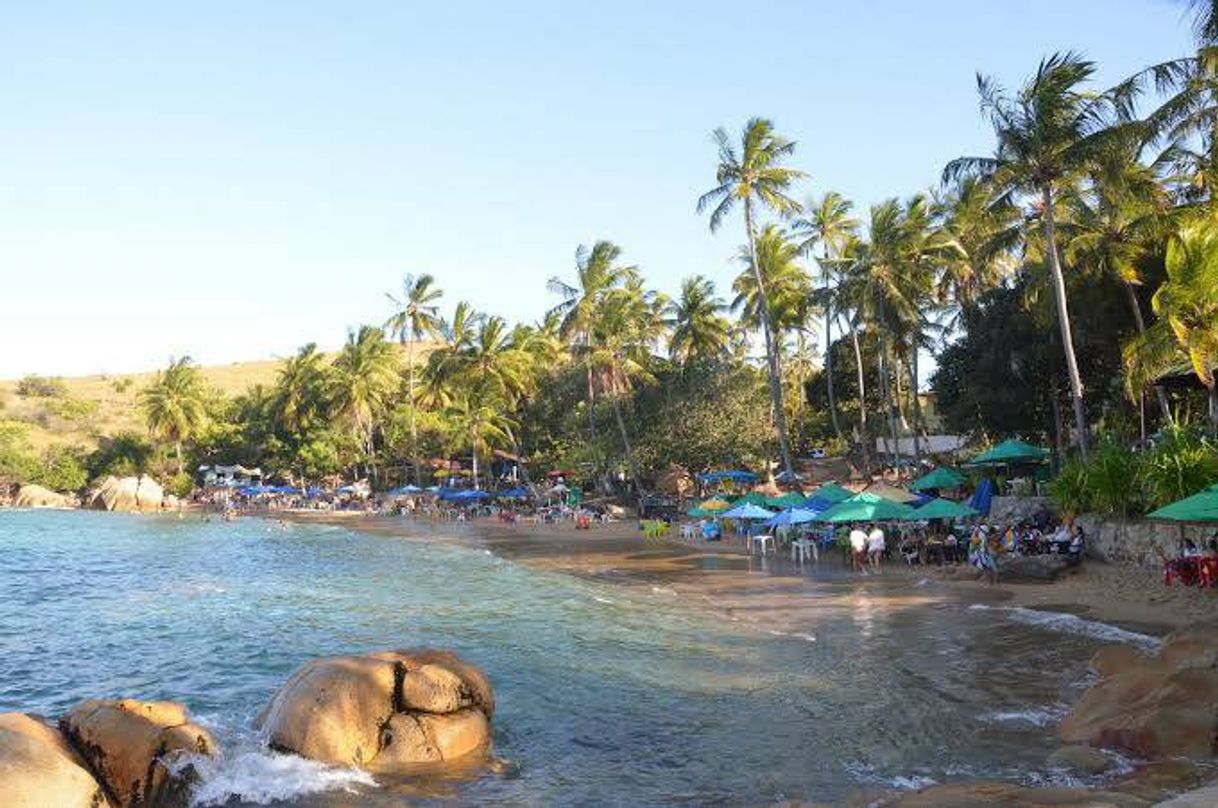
1056 280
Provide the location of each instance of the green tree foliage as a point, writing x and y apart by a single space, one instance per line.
175 405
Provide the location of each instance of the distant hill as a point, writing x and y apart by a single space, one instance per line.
107 404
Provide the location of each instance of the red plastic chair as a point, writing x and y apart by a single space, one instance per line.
1207 571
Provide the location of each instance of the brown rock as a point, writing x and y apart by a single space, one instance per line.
1080 760
1116 659
35 496
131 746
332 710
127 494
1155 707
388 711
1007 795
39 769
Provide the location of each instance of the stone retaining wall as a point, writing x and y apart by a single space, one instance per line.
1133 541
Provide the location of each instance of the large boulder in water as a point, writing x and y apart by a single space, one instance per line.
1155 707
139 749
1034 569
35 496
388 711
39 769
128 494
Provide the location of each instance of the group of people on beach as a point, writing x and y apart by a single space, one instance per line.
867 548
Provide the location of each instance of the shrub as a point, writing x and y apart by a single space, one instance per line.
61 469
34 386
72 409
1179 466
1069 490
123 384
1112 479
124 455
180 486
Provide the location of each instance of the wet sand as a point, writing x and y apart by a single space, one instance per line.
773 590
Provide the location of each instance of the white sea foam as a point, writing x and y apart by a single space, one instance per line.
264 777
1073 624
1036 716
599 599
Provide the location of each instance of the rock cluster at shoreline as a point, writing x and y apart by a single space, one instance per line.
391 711
399 712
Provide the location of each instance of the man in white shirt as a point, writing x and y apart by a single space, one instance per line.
875 546
858 549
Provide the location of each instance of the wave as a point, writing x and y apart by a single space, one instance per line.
1073 624
264 777
1036 716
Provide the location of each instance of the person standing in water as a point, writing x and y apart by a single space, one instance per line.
875 546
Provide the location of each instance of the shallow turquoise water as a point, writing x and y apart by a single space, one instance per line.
608 695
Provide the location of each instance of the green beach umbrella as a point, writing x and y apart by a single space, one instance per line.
751 498
866 507
944 509
1200 507
787 500
1010 451
831 492
942 477
700 513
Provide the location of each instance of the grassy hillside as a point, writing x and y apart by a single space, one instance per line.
97 406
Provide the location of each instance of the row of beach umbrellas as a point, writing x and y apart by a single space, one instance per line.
834 508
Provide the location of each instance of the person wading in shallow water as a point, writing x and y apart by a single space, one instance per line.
875 547
858 550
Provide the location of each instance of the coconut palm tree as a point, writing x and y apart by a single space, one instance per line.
415 316
1048 135
175 404
781 298
699 331
478 416
597 271
364 380
299 395
755 176
626 327
979 235
1185 334
1111 227
827 223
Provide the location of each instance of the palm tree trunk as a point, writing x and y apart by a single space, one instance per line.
1136 308
837 427
771 351
1213 408
862 380
473 456
414 429
1063 320
177 450
621 427
900 396
917 409
890 402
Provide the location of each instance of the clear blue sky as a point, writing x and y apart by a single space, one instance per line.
233 179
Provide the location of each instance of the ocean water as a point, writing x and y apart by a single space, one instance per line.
607 694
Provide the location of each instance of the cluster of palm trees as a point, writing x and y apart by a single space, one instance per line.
1080 189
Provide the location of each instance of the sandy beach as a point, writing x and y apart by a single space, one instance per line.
724 577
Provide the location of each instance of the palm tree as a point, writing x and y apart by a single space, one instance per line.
848 299
478 416
625 328
829 224
364 380
1048 135
174 404
781 298
1186 305
979 235
300 389
1114 225
700 332
597 271
755 176
415 316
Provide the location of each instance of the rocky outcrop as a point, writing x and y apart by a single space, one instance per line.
35 496
391 711
1005 511
1154 707
1201 798
129 494
1139 542
138 749
1036 569
38 769
1008 795
1083 760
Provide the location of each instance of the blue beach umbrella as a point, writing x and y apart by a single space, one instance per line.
791 516
747 511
